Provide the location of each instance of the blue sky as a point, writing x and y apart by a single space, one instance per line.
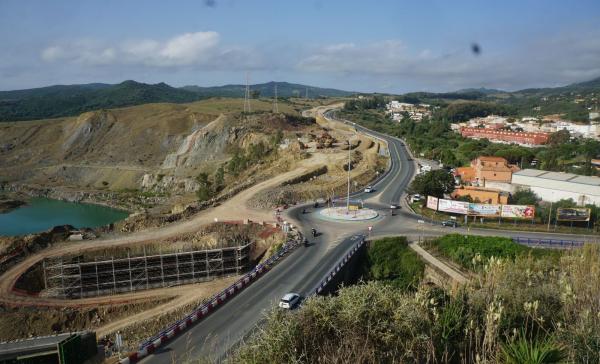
385 46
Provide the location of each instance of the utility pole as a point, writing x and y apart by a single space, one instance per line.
247 96
549 215
275 108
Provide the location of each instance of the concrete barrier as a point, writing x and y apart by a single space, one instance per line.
338 267
150 345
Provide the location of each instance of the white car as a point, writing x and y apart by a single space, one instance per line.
368 189
289 301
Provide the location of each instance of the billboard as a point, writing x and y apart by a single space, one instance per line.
573 214
518 211
455 207
432 203
480 209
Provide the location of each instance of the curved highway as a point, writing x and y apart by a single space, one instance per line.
303 269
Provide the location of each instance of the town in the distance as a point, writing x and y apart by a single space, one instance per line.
299 182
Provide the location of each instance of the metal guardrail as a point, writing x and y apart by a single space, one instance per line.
338 267
165 335
554 243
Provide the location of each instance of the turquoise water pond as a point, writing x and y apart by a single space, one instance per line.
41 214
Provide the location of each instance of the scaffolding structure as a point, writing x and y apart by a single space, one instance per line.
76 278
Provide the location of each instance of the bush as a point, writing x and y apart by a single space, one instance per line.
391 260
526 310
470 251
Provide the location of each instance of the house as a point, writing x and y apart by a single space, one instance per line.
481 194
485 169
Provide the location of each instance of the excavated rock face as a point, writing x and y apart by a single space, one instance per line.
89 131
201 145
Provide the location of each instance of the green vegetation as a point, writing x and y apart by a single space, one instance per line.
205 190
433 139
433 183
59 101
470 251
521 310
391 260
465 110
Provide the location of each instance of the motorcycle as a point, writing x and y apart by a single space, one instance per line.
314 232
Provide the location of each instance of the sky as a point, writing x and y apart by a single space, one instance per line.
368 46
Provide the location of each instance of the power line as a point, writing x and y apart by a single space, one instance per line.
275 107
247 95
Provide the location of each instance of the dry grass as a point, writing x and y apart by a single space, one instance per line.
515 309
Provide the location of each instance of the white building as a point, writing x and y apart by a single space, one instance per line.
584 130
416 112
555 186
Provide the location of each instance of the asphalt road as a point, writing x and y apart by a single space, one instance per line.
303 269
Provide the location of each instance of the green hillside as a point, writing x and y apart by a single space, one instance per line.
57 101
284 89
68 100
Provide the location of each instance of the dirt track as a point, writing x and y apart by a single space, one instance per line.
233 209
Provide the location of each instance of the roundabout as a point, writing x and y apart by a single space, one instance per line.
344 214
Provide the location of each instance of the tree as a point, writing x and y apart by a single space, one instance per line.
219 178
524 197
434 183
255 94
559 138
204 191
237 163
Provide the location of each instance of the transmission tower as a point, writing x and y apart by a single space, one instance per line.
275 108
247 96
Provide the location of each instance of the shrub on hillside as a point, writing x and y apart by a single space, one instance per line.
392 261
538 310
470 251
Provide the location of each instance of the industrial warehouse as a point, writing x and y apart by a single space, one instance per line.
555 186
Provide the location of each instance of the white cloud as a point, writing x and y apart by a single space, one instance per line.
201 49
558 60
554 60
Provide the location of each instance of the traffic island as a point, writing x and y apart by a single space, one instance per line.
342 213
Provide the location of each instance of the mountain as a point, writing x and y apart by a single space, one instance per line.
69 100
284 89
58 101
481 90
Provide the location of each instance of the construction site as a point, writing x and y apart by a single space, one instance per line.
77 277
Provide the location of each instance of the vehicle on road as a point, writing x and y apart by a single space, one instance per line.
450 223
289 300
306 244
314 232
394 206
369 189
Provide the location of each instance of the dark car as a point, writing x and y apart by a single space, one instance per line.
450 223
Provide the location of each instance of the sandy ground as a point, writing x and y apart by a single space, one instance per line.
233 209
187 295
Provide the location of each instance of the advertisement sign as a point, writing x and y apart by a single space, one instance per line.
480 209
432 203
518 211
455 207
573 214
